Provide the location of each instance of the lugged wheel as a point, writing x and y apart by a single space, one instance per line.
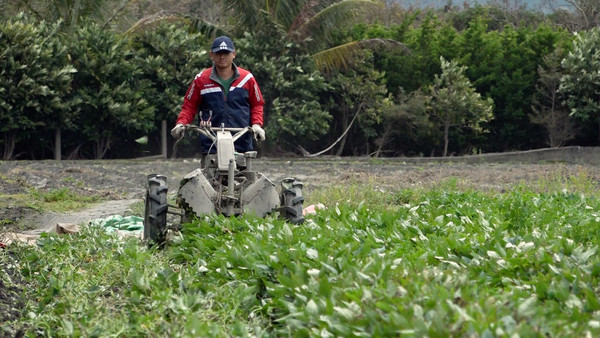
155 216
292 200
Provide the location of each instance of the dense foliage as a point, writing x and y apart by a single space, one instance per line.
502 66
377 71
169 57
35 82
109 89
452 102
582 77
291 87
439 262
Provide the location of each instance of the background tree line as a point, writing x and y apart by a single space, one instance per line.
351 77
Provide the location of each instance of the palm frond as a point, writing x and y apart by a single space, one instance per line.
208 29
244 11
300 16
337 15
120 11
33 10
288 12
195 24
340 57
150 21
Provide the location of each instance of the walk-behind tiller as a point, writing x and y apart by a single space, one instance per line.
224 184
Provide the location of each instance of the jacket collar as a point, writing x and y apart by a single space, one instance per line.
213 74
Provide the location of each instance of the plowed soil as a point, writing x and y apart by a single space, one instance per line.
124 180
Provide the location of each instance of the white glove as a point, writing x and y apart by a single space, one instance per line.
259 133
177 131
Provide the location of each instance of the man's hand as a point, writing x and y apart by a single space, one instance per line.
259 133
177 131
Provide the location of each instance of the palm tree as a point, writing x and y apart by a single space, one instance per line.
310 23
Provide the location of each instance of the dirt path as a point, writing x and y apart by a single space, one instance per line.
101 210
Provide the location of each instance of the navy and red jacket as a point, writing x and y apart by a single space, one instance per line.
242 107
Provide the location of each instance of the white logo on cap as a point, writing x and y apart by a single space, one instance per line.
223 45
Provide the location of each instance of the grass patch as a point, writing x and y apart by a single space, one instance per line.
441 261
583 182
15 209
61 200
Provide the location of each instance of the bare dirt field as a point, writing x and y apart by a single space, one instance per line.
123 181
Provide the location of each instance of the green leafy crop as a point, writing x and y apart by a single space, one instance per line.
423 262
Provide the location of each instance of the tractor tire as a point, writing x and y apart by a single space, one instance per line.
292 201
155 216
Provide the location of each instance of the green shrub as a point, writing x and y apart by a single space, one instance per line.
109 87
34 83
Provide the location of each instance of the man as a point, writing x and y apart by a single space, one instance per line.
225 94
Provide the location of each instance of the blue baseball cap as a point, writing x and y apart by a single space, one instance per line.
222 44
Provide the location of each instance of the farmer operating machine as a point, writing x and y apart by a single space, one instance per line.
224 184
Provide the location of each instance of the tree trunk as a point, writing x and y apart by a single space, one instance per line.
383 140
57 145
102 147
163 138
74 154
343 142
10 140
341 148
446 132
